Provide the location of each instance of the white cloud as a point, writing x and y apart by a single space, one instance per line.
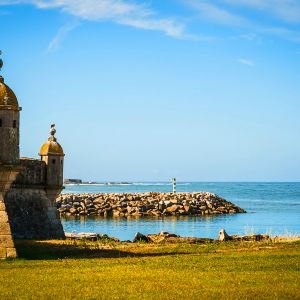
286 10
291 35
248 36
232 13
170 26
62 32
216 13
246 62
118 11
139 15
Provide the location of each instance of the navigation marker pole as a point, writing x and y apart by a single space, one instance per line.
174 185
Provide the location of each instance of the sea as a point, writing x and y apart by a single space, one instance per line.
272 208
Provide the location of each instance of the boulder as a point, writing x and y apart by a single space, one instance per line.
173 208
73 210
223 236
139 237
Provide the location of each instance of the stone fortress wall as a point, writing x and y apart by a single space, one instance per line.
27 204
29 210
28 187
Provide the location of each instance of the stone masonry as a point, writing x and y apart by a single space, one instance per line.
7 247
29 203
28 187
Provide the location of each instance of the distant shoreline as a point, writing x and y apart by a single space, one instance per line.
109 183
169 182
124 183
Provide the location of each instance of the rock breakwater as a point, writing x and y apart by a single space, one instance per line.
145 204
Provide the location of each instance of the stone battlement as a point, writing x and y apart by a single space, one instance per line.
33 173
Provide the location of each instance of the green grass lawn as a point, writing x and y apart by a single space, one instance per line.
94 270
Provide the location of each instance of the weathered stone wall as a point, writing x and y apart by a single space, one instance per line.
31 215
7 247
33 173
27 195
55 164
9 137
30 205
7 176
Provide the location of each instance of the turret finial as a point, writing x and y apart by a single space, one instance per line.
52 133
1 61
1 65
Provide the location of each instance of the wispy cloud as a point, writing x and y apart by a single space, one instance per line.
218 14
62 32
286 10
246 62
170 27
235 13
288 34
118 11
248 36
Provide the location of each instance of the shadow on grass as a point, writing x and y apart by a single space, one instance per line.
45 250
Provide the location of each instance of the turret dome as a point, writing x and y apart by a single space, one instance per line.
8 99
51 147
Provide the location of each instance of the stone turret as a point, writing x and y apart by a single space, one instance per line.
9 160
9 125
30 201
52 154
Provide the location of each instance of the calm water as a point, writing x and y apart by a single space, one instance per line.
272 208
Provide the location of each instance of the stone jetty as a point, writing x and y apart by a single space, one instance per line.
145 204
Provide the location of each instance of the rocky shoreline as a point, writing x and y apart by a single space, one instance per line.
145 204
166 237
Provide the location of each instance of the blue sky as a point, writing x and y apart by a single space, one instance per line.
149 90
